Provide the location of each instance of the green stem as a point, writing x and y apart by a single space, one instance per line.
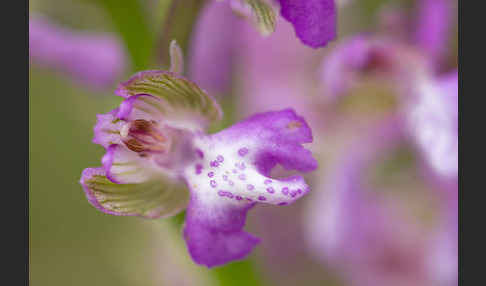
132 23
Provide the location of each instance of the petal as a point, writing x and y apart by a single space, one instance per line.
433 28
238 160
213 232
262 12
364 55
339 67
314 21
432 119
93 59
183 101
150 199
107 129
136 157
141 106
123 166
232 173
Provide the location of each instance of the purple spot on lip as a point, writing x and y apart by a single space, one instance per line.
293 194
225 194
285 191
262 198
220 158
240 166
299 191
243 151
214 164
270 190
250 187
210 174
266 182
213 183
200 153
198 169
238 198
282 204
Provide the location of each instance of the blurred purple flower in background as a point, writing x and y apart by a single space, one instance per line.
314 21
156 145
93 59
427 99
366 235
352 226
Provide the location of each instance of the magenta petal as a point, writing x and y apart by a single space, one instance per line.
284 129
232 173
107 129
123 166
314 20
87 174
214 234
352 57
434 21
91 58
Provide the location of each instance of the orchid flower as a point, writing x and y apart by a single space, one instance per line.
401 48
369 237
159 160
314 21
92 59
427 100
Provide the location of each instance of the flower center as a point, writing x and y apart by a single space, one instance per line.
144 137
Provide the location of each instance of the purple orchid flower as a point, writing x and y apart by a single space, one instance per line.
427 100
371 55
368 237
401 48
157 149
314 21
93 59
